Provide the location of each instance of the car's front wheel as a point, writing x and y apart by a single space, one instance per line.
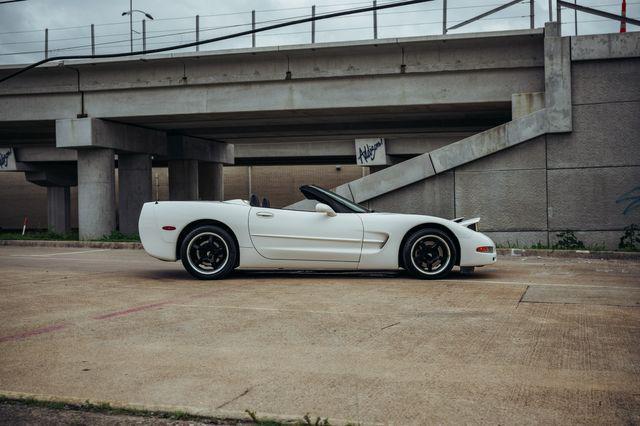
429 253
208 252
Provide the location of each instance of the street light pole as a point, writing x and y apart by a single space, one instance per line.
131 23
130 13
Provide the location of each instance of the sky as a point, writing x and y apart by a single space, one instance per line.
22 24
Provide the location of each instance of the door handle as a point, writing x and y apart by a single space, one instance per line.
264 214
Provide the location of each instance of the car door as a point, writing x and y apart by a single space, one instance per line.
301 235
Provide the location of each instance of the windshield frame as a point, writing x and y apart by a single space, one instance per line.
349 205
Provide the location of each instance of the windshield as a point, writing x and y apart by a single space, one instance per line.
333 198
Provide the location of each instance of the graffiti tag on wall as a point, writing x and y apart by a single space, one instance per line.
7 161
371 152
631 198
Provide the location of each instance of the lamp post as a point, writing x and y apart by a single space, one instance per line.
130 13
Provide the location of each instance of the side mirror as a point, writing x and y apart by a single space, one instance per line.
323 208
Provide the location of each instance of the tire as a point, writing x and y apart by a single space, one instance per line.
429 254
209 253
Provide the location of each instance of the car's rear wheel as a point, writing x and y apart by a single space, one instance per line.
429 253
208 252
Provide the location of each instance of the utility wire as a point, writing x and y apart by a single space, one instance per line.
215 39
318 6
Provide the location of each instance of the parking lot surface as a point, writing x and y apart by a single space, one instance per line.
526 340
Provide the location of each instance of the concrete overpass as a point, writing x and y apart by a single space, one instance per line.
305 104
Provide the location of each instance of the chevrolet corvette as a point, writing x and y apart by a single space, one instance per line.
212 238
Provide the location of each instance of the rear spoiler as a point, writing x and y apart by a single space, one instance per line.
469 223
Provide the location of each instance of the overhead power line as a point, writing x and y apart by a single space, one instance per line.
216 39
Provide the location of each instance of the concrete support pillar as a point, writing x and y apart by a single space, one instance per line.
96 192
135 189
557 79
59 209
211 181
183 180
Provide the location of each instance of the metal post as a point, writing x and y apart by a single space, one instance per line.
131 23
93 40
532 19
375 21
46 43
313 24
144 35
253 27
575 17
197 32
444 16
550 10
559 16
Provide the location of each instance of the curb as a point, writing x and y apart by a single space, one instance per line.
73 244
570 254
230 416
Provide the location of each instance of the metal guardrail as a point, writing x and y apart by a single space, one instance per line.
485 14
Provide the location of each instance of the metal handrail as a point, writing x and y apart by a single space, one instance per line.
490 12
596 12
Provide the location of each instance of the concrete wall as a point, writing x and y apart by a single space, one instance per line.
528 193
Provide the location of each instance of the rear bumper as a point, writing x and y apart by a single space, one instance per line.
151 235
470 257
480 259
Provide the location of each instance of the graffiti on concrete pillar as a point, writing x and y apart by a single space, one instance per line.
631 199
4 158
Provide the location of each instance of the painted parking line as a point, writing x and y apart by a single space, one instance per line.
60 253
130 310
37 331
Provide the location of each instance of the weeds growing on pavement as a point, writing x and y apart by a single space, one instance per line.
106 408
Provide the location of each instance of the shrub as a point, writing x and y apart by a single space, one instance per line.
567 240
630 240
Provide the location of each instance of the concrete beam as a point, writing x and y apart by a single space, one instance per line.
46 106
96 193
342 146
37 154
135 189
189 148
397 90
95 133
59 209
605 46
453 52
557 77
51 174
183 180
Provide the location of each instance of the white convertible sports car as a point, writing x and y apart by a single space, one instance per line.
212 237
